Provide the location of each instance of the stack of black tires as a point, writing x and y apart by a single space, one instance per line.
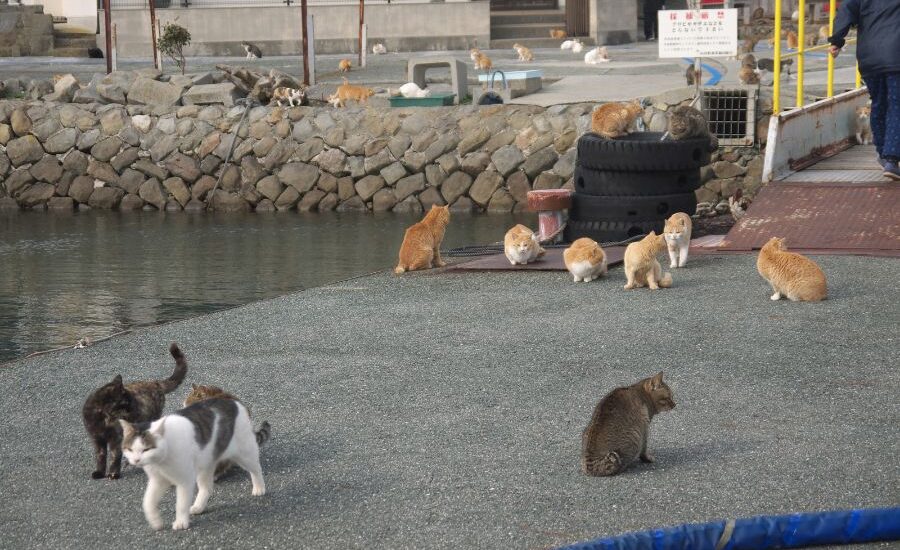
629 186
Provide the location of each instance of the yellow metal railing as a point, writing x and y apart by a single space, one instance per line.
801 50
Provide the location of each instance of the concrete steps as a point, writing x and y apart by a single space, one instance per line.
532 43
72 44
530 28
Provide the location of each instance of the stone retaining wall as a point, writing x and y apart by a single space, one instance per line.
65 156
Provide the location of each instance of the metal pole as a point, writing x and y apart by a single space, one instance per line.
362 19
831 10
776 86
365 49
153 33
305 46
107 28
115 47
801 46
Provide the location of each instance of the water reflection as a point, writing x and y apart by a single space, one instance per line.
65 276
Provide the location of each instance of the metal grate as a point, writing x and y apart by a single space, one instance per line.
731 114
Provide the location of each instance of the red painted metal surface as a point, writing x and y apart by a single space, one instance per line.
863 219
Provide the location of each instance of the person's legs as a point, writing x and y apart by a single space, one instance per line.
878 93
890 149
649 18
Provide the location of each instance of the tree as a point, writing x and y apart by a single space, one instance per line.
172 42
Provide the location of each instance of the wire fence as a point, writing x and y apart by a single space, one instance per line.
161 4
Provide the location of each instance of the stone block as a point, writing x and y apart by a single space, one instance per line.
541 160
431 197
35 194
81 189
106 198
145 91
223 201
224 93
299 175
310 200
152 192
409 185
24 150
506 159
485 184
393 173
455 186
368 186
48 169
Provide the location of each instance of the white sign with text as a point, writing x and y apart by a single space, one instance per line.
698 33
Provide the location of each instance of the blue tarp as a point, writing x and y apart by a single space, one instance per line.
762 532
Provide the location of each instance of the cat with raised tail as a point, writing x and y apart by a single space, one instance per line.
619 430
521 246
421 248
791 275
183 448
641 266
678 238
585 260
134 402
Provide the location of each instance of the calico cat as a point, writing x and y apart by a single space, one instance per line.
585 260
614 120
597 56
184 447
557 33
678 238
790 274
290 96
344 65
521 246
620 426
252 51
135 402
201 393
686 122
641 265
421 248
346 91
863 126
525 54
748 76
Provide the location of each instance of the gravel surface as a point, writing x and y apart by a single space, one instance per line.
445 410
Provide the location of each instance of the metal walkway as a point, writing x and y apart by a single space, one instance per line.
839 205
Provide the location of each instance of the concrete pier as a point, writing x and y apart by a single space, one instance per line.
444 410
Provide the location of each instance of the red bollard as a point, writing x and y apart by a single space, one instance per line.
550 204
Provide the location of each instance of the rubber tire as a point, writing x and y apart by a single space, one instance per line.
642 152
635 184
607 233
631 209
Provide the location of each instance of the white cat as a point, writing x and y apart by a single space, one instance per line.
597 55
678 238
184 447
521 245
411 89
567 45
577 46
379 49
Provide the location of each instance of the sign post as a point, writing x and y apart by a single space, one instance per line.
156 62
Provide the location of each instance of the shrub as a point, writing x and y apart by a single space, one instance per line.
172 42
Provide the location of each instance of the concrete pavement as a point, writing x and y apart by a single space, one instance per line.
444 410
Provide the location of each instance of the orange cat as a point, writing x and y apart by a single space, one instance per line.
525 54
792 40
678 238
483 62
641 265
421 248
475 53
585 260
748 76
521 245
614 120
348 91
790 274
557 33
344 65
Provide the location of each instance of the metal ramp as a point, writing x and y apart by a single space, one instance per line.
839 205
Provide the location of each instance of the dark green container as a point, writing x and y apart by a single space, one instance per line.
434 100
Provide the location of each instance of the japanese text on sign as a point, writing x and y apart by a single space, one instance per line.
698 33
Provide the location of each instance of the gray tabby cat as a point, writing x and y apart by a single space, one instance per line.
618 432
686 122
184 447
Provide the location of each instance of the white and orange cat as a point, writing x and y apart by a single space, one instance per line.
525 53
344 65
421 248
347 91
482 62
585 260
863 125
521 245
791 275
641 266
614 120
678 238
